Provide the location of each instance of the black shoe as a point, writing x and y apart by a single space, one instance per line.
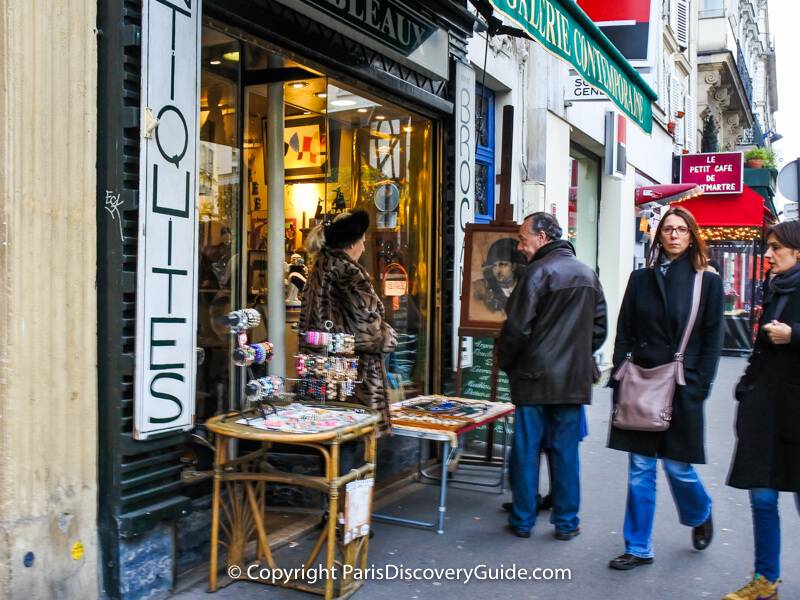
626 562
508 506
703 534
566 536
519 532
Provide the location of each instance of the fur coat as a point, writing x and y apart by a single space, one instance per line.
340 290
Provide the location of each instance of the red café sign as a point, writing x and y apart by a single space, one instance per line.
716 172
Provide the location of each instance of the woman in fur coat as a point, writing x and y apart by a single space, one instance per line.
339 290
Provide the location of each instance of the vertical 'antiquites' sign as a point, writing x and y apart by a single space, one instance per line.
166 286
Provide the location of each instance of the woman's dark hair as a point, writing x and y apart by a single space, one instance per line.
697 246
788 233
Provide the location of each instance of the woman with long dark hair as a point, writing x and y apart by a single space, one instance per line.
767 459
654 314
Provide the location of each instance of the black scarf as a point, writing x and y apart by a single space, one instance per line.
786 283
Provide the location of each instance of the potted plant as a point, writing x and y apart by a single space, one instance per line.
760 158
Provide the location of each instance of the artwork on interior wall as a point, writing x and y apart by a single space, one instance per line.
290 235
305 146
492 267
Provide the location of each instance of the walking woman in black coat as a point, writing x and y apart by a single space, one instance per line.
767 458
654 313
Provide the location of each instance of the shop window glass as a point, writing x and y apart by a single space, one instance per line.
740 268
219 192
484 154
344 150
583 205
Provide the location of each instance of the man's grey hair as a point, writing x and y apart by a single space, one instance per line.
545 222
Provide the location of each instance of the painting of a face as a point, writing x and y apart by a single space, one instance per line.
503 271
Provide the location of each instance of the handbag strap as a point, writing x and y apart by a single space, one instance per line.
696 291
698 288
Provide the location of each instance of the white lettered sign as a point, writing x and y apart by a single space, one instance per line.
464 190
166 279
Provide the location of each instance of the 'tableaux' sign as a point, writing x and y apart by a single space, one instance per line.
166 291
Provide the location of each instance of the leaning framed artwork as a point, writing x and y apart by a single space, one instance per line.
305 147
492 267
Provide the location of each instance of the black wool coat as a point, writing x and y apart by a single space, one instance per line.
768 417
652 319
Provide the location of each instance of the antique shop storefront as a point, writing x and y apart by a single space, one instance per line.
364 95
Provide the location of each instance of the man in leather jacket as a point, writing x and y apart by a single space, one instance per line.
556 321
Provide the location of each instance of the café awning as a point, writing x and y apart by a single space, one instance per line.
664 194
730 210
565 31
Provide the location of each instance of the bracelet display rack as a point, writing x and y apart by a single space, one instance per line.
240 483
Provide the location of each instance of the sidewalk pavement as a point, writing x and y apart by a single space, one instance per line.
475 535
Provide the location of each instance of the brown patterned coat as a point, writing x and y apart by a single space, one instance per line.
340 290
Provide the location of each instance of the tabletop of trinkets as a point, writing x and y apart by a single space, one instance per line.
457 415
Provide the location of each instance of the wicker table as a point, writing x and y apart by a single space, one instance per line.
238 514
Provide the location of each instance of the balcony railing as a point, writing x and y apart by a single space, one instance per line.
744 74
754 136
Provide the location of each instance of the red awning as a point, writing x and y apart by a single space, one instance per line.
664 194
729 210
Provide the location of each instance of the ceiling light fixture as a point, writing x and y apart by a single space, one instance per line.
215 62
380 117
361 110
321 94
231 56
298 85
343 102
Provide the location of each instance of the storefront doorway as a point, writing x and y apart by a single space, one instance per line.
584 204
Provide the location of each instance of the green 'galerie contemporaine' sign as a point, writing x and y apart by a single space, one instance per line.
565 31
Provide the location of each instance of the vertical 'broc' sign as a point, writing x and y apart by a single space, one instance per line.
166 297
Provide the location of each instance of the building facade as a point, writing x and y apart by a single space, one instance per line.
48 316
738 96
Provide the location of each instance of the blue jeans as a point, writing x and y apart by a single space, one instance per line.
767 531
691 499
562 425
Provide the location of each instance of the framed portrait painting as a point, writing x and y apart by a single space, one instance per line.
305 147
492 267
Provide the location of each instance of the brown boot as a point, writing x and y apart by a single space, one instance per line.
758 589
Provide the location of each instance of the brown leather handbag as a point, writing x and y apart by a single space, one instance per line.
644 396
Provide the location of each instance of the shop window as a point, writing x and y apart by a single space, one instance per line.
740 267
584 171
344 150
219 193
484 154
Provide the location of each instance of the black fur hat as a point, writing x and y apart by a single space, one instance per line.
346 231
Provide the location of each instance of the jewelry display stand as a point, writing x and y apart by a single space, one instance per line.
239 500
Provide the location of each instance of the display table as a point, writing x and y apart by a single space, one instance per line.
445 419
239 494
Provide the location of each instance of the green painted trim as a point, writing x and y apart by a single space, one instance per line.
565 31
